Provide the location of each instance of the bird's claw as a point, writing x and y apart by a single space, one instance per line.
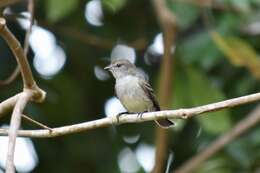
140 114
118 115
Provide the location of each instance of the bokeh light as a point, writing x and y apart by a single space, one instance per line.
113 107
49 56
155 50
94 13
145 154
25 157
50 65
100 73
121 51
132 139
127 161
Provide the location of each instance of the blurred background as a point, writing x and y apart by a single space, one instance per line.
215 55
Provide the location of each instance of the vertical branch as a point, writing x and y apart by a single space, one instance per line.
15 46
167 24
14 126
16 72
244 125
30 90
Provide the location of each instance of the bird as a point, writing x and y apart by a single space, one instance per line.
133 90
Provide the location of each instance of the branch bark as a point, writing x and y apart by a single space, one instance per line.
14 126
16 72
17 50
245 124
7 105
31 92
134 118
28 80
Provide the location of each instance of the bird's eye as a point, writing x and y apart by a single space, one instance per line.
118 65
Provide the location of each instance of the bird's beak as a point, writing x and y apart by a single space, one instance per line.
108 67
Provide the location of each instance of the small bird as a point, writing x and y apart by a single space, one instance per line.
133 90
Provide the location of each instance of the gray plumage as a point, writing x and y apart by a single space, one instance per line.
133 90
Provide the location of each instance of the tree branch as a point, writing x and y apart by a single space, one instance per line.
241 127
167 23
16 72
17 50
14 126
28 80
7 105
134 118
31 92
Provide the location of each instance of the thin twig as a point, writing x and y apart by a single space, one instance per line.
245 124
11 78
16 72
14 126
134 118
36 122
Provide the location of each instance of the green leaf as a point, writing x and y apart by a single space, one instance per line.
113 5
201 50
203 92
192 88
58 9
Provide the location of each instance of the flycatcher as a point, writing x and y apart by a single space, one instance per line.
133 90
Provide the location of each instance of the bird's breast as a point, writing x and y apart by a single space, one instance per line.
131 94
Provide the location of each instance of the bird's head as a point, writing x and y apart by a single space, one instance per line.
121 68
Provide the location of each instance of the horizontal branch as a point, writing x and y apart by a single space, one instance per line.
134 118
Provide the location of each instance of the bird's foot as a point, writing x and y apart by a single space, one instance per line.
140 114
121 113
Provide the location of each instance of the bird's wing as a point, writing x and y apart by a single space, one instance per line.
149 92
164 123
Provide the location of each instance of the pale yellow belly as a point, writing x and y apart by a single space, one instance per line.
132 96
135 103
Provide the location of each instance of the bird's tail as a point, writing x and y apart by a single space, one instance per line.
164 123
